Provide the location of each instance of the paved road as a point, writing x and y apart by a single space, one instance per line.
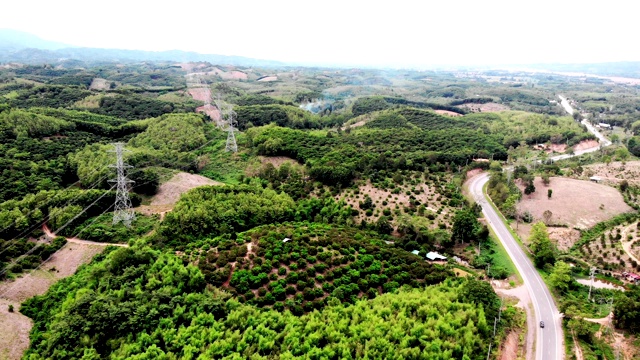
603 140
549 341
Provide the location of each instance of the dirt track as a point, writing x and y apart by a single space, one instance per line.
524 303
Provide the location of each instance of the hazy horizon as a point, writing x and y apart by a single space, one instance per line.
464 33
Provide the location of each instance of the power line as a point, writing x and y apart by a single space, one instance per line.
50 256
46 218
57 194
19 258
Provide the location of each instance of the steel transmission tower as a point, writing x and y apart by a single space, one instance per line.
123 211
226 112
231 137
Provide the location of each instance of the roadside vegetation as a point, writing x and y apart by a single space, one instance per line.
306 244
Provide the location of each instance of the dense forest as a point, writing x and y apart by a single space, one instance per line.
288 257
143 303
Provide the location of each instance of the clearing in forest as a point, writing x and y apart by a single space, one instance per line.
399 201
169 193
14 337
277 161
574 204
99 84
615 172
447 112
268 78
488 107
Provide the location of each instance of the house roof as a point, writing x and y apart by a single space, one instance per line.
435 256
415 252
633 276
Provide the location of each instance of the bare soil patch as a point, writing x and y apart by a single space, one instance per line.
558 148
234 75
524 302
564 238
447 112
14 337
509 350
630 242
200 93
561 148
574 203
472 173
600 284
169 192
212 112
359 120
277 161
488 107
62 263
461 273
587 144
615 172
99 84
268 78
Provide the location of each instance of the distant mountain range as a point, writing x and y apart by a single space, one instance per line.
18 46
22 47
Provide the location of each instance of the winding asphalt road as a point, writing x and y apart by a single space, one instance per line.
549 341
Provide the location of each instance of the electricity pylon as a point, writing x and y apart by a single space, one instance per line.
123 211
592 274
231 137
227 113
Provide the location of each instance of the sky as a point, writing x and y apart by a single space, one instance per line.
394 33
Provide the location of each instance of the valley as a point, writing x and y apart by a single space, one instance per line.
311 240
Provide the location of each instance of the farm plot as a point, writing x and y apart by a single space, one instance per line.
574 203
419 196
608 252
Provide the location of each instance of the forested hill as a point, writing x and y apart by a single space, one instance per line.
147 304
311 244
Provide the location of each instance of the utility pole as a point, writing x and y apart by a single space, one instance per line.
592 274
123 211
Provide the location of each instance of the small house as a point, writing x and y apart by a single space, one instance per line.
604 126
286 240
633 278
595 179
415 252
434 256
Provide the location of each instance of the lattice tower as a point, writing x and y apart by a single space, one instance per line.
123 211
